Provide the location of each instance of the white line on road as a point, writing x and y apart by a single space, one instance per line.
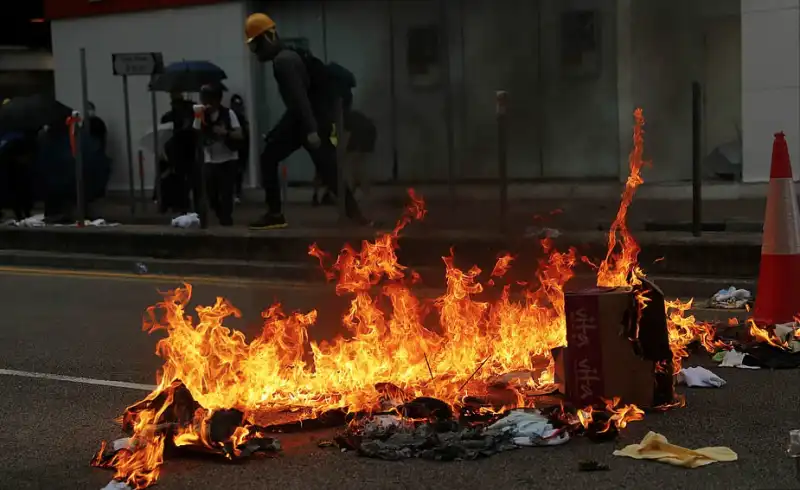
72 379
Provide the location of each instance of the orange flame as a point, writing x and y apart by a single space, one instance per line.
387 338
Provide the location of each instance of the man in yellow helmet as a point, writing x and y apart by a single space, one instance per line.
307 90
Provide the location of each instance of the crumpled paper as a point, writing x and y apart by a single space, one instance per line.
735 359
190 220
528 428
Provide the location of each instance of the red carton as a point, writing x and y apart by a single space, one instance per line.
600 360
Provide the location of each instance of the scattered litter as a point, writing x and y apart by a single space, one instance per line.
771 357
592 466
190 220
116 485
140 268
794 443
731 298
38 221
787 332
656 447
426 431
175 413
735 359
529 428
699 377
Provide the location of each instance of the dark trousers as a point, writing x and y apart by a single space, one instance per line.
20 188
220 186
286 138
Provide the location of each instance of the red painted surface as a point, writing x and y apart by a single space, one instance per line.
64 9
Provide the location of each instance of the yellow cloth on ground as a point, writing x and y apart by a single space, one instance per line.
655 446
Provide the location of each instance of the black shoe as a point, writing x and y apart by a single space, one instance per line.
269 222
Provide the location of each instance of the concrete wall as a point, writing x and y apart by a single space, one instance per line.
207 32
558 126
770 82
667 45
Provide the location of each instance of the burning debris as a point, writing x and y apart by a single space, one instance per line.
408 390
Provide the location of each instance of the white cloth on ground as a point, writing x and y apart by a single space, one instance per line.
529 428
116 485
735 359
699 377
190 220
731 298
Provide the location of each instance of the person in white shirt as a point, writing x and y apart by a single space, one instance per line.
221 135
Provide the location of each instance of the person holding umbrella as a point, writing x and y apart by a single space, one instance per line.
307 90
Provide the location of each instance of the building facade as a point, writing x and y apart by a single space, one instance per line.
428 71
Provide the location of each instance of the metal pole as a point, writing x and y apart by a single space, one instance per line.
393 93
129 145
340 161
156 155
697 155
324 32
502 154
142 195
448 100
541 113
79 176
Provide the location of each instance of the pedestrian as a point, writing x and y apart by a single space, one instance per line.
17 157
97 127
307 90
237 106
221 135
176 167
358 137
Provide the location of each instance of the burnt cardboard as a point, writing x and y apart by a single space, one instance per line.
600 360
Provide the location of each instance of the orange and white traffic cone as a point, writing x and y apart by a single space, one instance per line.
778 295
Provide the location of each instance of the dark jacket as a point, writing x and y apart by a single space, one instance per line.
305 86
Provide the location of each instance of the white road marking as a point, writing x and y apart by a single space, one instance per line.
73 379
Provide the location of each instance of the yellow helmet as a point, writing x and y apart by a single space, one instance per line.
256 25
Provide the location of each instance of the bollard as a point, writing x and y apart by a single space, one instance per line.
502 155
340 161
142 194
697 158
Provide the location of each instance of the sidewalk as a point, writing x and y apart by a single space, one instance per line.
740 215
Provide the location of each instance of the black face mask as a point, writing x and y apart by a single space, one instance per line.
265 47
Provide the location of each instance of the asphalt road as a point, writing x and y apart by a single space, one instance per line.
90 326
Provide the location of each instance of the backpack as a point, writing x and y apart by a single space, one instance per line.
327 81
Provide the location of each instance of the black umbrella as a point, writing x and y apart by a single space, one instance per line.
188 76
31 112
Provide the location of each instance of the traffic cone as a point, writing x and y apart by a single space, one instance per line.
778 296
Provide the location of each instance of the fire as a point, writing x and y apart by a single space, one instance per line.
387 340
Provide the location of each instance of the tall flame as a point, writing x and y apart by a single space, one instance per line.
387 338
